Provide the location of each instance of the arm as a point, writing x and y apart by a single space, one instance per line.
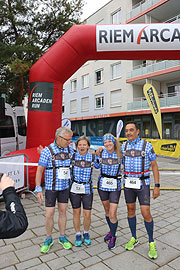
38 178
13 221
156 191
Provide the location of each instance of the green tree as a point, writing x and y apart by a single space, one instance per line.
28 29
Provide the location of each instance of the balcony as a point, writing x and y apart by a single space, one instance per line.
167 100
146 69
140 7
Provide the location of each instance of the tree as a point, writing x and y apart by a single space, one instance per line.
28 29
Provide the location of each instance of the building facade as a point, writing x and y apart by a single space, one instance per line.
102 92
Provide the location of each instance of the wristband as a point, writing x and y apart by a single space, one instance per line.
157 185
38 189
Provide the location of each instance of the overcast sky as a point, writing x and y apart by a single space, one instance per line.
91 6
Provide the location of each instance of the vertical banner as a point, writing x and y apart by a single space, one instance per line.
153 101
119 128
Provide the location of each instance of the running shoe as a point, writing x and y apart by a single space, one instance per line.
65 243
131 244
112 243
107 237
87 240
78 241
152 250
47 244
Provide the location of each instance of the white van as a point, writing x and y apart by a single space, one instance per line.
12 130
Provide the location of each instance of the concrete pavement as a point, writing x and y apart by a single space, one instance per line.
24 252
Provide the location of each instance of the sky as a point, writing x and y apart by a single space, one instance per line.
91 6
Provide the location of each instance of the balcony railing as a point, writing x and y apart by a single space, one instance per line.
166 100
143 5
145 69
174 19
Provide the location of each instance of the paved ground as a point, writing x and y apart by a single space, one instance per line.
24 252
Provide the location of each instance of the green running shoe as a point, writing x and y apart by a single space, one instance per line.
152 250
131 244
47 244
65 243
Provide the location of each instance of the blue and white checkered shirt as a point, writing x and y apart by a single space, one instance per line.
45 161
82 175
134 165
108 169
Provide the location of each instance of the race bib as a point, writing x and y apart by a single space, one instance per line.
63 173
110 183
132 182
78 188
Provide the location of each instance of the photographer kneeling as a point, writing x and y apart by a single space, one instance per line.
13 221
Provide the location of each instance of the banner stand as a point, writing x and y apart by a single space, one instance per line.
14 168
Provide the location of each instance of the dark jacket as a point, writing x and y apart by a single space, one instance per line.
13 221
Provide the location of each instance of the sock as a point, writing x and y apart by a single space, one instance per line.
49 238
132 225
149 228
113 227
108 222
78 233
85 232
61 236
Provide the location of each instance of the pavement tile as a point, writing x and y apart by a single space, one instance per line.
171 239
58 263
27 264
73 266
8 260
77 256
28 253
129 260
98 266
175 264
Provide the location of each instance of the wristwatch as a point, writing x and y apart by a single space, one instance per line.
157 185
38 189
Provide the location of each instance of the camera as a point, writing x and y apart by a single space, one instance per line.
1 175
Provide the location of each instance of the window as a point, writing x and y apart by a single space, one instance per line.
116 17
73 106
173 89
99 102
7 128
85 81
21 121
115 98
73 85
116 70
85 104
98 76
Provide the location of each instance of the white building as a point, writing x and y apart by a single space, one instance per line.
102 92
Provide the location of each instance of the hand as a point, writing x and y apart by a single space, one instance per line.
6 182
40 197
98 151
156 192
39 149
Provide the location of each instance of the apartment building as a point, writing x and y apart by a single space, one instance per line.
104 91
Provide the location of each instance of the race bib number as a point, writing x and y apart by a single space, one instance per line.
78 188
63 173
132 182
110 183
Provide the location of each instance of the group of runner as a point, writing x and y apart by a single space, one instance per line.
69 174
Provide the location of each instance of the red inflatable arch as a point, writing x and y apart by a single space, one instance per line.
80 44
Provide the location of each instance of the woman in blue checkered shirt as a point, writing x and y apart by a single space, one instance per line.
109 184
82 188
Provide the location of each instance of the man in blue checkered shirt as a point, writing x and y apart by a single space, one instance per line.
55 159
138 156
